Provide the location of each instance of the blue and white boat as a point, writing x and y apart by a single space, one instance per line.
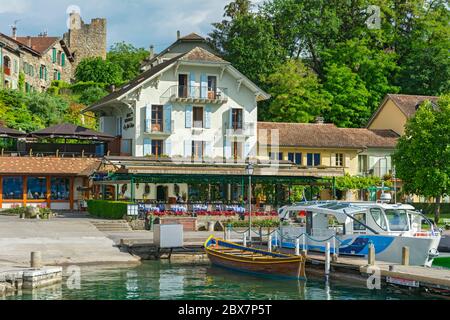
350 227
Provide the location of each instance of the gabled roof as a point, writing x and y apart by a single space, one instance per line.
312 135
195 55
192 37
20 44
39 44
406 103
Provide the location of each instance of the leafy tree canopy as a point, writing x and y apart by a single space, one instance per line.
128 58
98 70
422 157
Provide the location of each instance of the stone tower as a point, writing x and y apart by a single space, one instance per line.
86 40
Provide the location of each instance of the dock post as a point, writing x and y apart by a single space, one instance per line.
334 245
276 239
269 243
297 247
371 255
304 247
245 240
36 259
405 256
327 259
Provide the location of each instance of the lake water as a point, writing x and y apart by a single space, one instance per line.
155 280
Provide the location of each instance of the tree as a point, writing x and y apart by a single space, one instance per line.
297 93
128 58
422 157
349 106
99 71
92 95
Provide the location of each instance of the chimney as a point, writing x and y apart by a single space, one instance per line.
29 41
178 34
320 120
152 51
14 32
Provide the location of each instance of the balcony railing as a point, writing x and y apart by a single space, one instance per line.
197 94
246 129
158 128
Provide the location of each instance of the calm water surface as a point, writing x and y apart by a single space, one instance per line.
171 281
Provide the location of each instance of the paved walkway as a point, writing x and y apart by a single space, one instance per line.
62 240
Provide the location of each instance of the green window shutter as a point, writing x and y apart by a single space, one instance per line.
45 73
63 59
54 55
41 75
59 75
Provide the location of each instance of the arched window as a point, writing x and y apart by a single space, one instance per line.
7 65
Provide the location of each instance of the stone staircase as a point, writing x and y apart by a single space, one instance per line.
112 226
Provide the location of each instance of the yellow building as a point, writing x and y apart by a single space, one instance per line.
395 111
314 145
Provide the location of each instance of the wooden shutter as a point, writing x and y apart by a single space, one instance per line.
54 55
188 148
203 86
148 118
168 118
63 59
192 84
147 147
188 114
168 148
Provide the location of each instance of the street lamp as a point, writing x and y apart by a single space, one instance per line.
249 170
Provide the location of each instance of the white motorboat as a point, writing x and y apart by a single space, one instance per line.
350 227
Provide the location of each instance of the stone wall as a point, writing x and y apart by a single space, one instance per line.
86 40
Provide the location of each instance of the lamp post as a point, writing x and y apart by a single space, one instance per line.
249 171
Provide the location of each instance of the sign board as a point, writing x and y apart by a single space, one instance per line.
132 210
403 282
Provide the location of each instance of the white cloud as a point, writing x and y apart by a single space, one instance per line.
15 6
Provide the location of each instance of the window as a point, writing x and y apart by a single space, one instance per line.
339 161
295 158
157 147
236 119
313 159
197 149
59 58
55 74
54 55
397 219
157 118
212 87
43 72
276 156
198 117
357 226
363 164
237 150
378 217
60 189
182 85
37 188
12 188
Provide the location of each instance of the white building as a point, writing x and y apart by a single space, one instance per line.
194 106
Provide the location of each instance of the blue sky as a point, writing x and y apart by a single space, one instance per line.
140 22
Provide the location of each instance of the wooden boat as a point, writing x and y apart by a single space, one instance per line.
251 260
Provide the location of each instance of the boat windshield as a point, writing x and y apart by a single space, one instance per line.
397 219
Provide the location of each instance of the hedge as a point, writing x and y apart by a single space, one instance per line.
107 209
428 208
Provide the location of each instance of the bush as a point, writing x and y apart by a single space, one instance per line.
107 209
269 223
428 208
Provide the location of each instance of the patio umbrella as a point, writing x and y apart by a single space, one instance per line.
11 133
71 131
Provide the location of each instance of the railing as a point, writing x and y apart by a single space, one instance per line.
158 128
240 129
180 93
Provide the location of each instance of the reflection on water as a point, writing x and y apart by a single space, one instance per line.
163 280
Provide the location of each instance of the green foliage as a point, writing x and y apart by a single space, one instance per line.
21 82
265 223
98 70
107 209
430 208
348 182
297 93
356 66
128 58
422 157
92 95
349 97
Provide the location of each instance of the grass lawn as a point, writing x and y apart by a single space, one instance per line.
442 262
443 216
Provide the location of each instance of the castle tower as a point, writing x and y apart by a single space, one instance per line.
86 40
